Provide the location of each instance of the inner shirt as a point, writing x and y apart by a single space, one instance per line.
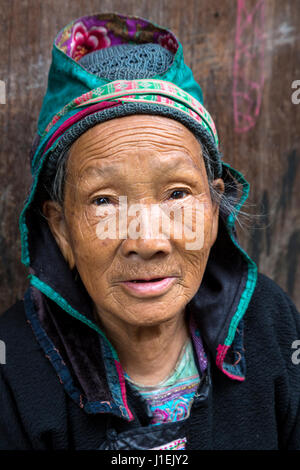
171 399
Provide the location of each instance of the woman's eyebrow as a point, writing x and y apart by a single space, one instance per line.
106 170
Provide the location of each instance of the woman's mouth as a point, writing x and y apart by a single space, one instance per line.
152 287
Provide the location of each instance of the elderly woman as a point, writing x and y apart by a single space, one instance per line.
146 325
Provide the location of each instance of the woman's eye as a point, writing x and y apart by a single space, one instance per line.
179 193
100 201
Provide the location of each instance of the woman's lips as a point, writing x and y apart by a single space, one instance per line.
149 288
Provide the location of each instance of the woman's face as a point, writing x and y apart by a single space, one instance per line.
155 162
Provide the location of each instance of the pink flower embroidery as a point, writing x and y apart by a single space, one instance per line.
168 42
85 41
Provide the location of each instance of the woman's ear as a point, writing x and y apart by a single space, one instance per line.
219 186
57 224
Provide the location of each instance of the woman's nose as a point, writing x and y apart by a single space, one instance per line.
145 238
146 248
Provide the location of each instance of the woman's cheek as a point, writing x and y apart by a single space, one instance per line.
85 225
190 220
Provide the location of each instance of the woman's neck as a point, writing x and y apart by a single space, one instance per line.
148 354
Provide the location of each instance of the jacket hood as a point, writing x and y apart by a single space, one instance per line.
57 303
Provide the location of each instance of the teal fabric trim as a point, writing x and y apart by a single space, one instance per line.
25 257
67 80
252 268
63 372
180 74
110 354
49 292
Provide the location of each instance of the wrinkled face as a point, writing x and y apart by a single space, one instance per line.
154 162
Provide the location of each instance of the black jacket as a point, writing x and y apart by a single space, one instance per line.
38 410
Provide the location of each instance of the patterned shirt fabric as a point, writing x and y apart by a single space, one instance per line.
178 444
171 399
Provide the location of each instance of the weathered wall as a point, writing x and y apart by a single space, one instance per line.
244 53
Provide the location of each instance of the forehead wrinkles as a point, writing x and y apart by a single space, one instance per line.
131 125
114 139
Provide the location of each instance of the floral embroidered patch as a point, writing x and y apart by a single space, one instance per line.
90 33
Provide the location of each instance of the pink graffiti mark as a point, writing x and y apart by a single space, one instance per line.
248 65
